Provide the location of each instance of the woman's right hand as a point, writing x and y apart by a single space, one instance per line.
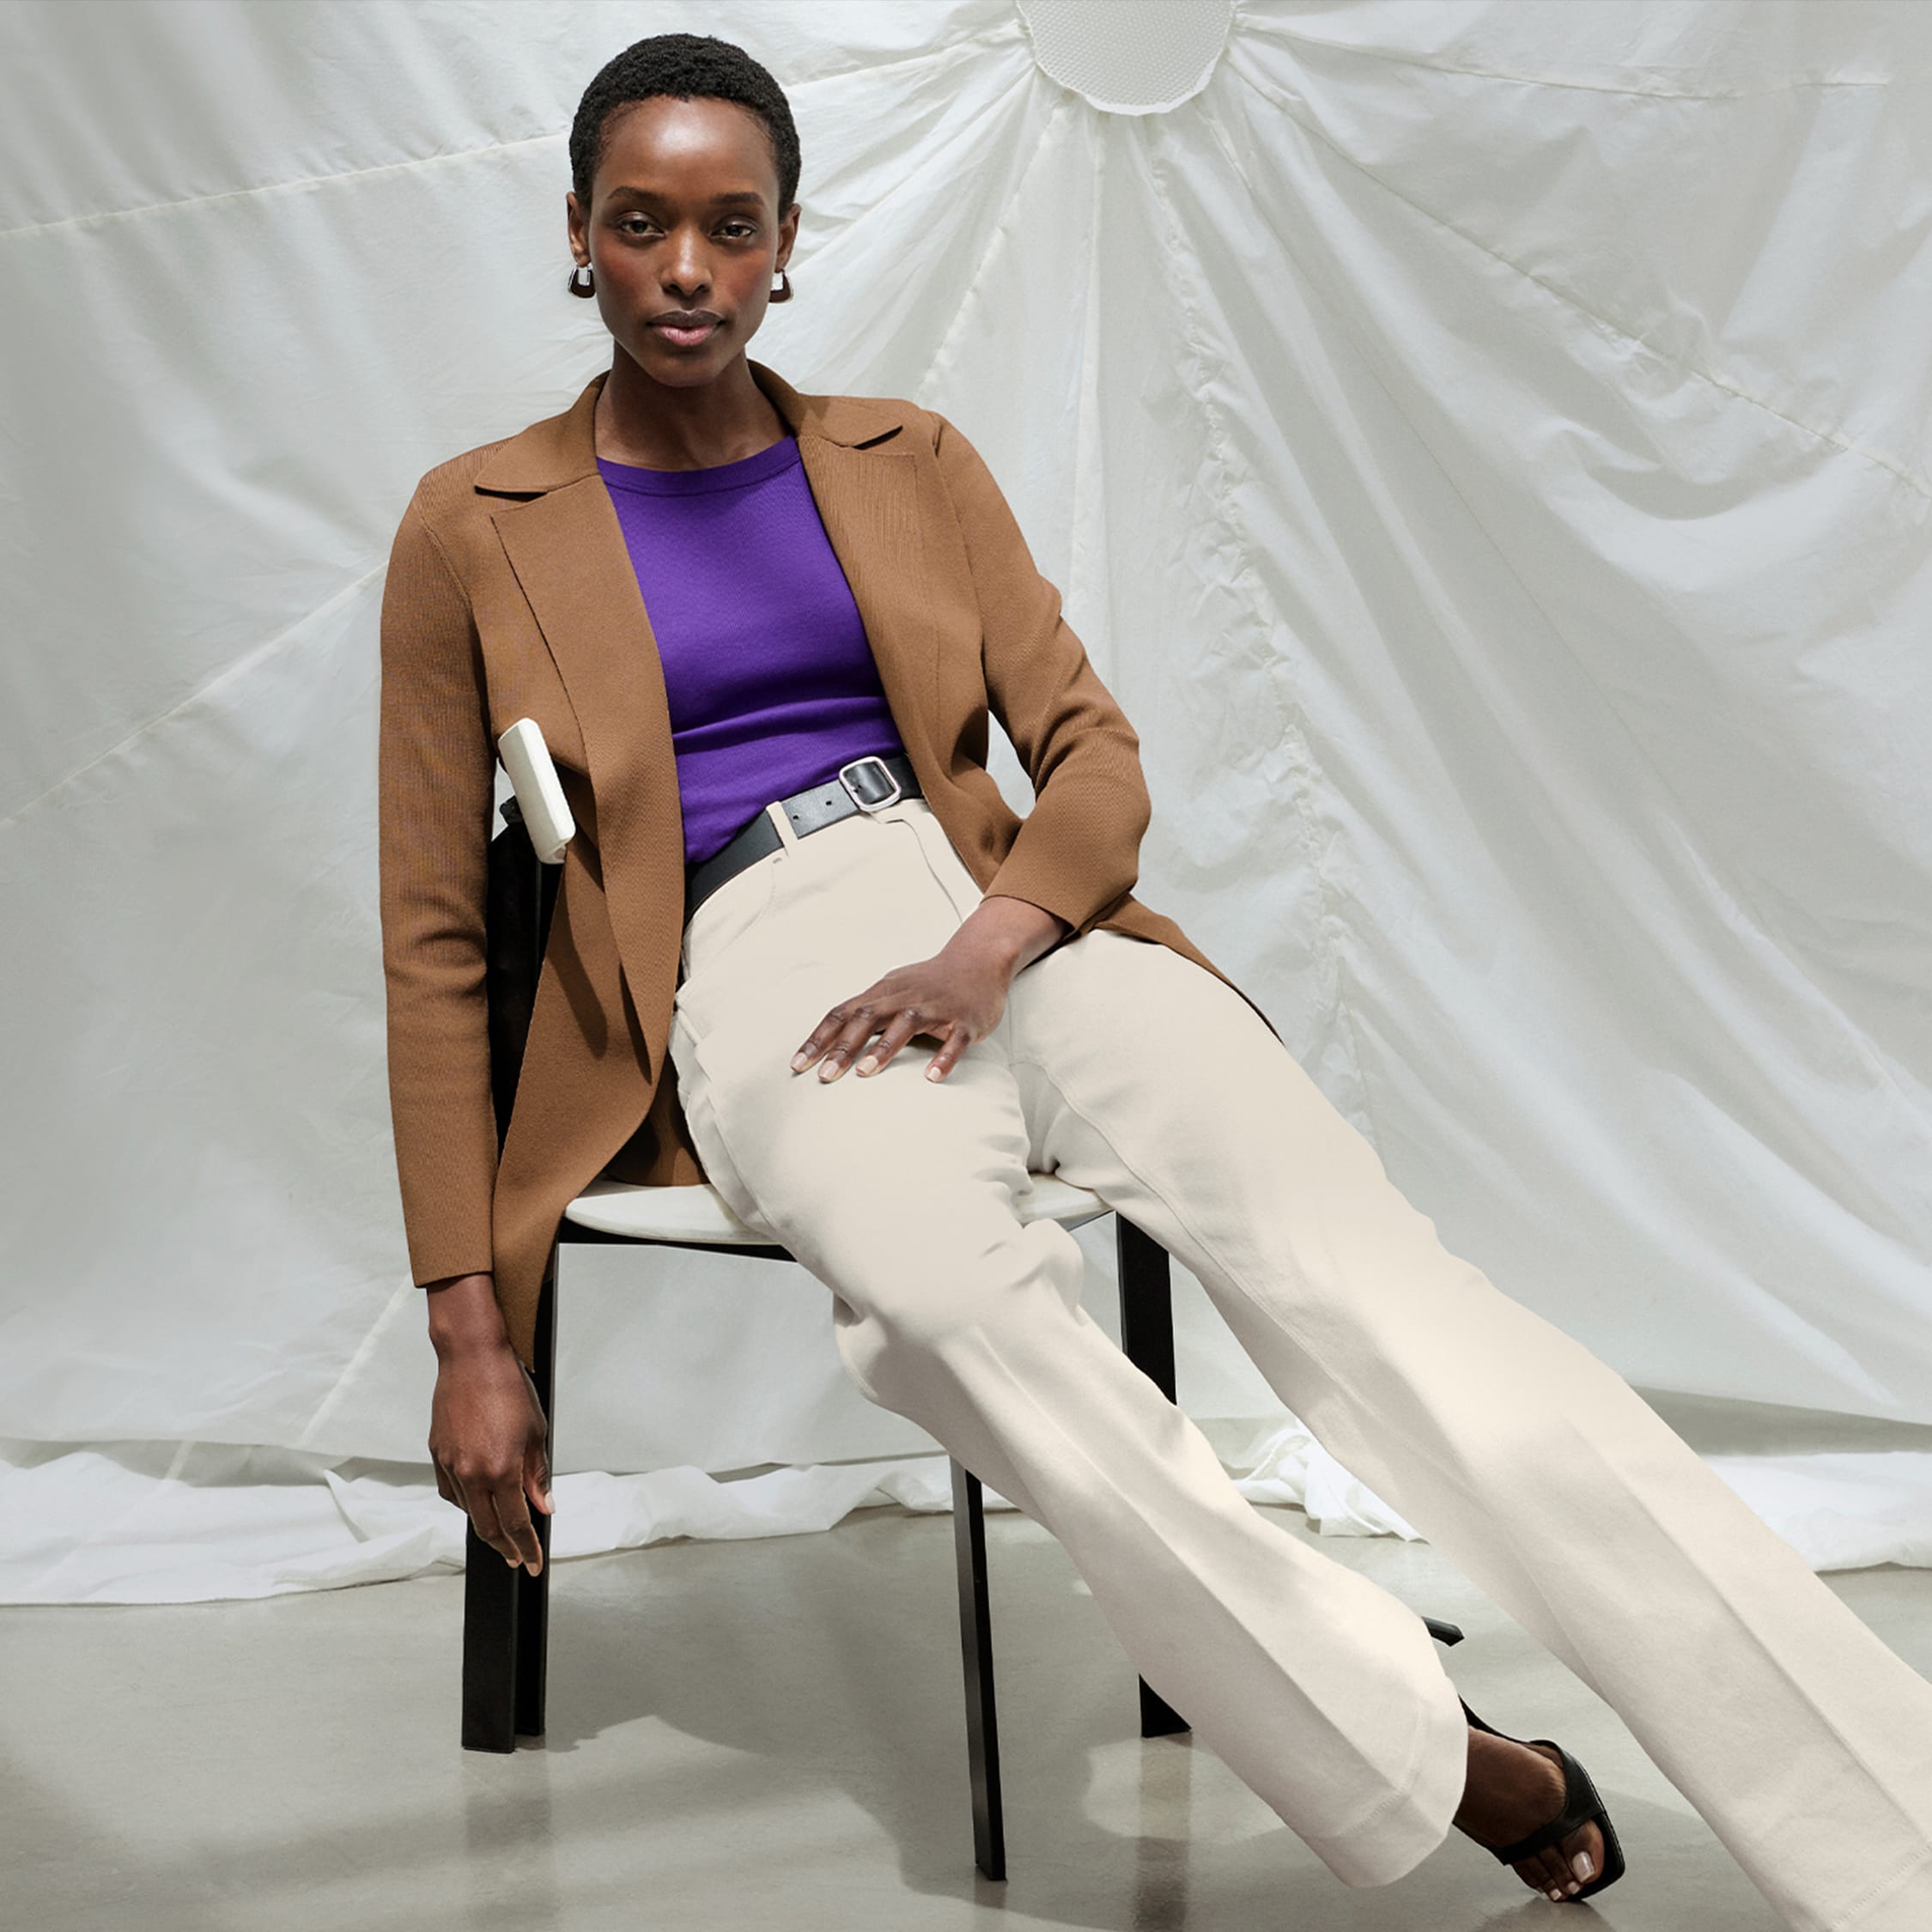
488 1437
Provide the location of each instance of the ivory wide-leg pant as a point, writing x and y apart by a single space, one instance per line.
1803 1740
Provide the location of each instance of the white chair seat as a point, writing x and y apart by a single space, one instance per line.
699 1214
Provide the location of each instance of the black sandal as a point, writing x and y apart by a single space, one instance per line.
1581 1806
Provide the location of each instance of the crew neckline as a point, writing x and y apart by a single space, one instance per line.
781 455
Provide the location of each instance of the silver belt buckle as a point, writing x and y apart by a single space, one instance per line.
870 805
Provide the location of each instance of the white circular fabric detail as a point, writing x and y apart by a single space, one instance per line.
1129 57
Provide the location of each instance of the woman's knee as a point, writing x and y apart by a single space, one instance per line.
930 1322
899 1354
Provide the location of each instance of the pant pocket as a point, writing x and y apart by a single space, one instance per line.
698 1097
949 871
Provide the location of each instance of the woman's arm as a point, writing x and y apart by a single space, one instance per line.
436 790
1077 851
436 785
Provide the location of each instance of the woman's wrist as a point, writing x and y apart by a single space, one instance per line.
464 1315
1014 932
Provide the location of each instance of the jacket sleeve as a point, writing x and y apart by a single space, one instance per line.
436 788
1077 851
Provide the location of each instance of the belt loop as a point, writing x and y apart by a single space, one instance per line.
775 813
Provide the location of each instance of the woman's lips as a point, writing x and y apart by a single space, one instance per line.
685 338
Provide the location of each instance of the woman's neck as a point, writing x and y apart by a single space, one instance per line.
697 426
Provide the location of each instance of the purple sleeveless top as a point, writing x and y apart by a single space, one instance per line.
770 678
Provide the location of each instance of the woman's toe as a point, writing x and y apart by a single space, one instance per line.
1551 1871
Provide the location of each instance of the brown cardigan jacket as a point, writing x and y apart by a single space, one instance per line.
511 594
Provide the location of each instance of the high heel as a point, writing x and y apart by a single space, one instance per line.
1581 1806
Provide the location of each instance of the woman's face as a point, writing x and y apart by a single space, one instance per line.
683 216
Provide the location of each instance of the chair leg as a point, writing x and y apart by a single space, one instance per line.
506 1612
533 1593
490 1647
1147 1340
982 1730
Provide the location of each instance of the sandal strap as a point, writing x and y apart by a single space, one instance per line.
1581 1806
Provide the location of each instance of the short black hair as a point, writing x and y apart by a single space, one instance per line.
682 65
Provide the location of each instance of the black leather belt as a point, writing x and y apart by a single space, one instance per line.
867 784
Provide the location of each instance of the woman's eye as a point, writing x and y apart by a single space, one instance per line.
634 224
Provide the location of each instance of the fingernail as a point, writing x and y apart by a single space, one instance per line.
1581 1865
1556 1895
828 1070
868 1063
797 1059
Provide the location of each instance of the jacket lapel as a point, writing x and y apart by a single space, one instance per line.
560 533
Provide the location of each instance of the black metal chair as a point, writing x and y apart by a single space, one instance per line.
506 1611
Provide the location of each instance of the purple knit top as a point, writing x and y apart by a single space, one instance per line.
770 678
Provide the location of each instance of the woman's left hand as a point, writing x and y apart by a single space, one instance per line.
958 996
958 1000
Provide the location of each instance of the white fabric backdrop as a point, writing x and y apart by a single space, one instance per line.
1484 446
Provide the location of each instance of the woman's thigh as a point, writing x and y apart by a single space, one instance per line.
1154 1082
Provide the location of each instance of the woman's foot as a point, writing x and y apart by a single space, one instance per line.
1511 1788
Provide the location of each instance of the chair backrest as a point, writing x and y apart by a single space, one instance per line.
520 899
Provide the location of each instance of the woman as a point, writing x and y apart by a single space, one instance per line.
884 999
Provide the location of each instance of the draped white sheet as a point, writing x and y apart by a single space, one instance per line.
1483 445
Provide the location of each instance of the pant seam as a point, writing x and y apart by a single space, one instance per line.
1412 1776
1892 1882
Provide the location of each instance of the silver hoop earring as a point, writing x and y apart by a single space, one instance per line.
587 288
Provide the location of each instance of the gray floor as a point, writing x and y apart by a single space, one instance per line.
760 1733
